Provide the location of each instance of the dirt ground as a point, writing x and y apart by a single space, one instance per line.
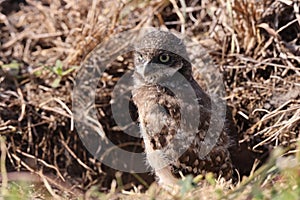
255 45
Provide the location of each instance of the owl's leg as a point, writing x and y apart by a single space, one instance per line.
165 176
167 181
162 170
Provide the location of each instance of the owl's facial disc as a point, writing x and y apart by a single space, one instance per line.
156 67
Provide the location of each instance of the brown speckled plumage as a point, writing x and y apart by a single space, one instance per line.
170 145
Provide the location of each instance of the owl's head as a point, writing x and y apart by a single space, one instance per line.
158 56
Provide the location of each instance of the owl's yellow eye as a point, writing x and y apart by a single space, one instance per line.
139 57
164 58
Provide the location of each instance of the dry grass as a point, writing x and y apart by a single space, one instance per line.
255 44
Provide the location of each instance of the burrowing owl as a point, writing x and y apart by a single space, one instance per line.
173 144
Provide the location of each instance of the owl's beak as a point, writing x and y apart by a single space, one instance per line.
146 69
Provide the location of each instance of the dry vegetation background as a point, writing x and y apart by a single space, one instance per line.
255 44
